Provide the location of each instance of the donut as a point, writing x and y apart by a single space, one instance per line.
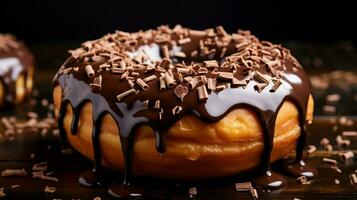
185 104
16 71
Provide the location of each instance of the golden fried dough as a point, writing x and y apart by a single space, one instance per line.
194 149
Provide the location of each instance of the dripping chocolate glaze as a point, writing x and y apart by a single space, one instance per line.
20 60
256 67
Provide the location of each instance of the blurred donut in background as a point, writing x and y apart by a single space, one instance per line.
16 71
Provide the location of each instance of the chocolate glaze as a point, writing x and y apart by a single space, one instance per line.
132 111
10 48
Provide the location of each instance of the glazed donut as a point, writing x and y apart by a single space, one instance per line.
16 71
183 104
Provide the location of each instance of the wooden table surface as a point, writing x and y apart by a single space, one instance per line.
15 153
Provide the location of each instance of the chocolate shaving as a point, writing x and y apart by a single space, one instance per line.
210 64
162 83
349 133
329 147
329 109
179 54
260 78
193 82
333 98
329 161
165 63
254 193
225 75
97 84
157 104
197 33
134 73
181 91
48 178
220 87
202 93
165 51
125 75
260 86
116 70
2 192
202 70
336 169
49 189
183 70
184 41
324 141
242 45
303 180
236 82
98 58
311 149
353 179
150 78
194 54
223 52
211 84
89 71
340 141
346 155
188 78
169 80
220 31
126 93
337 182
13 172
142 84
42 166
275 86
131 83
193 192
176 110
245 186
15 186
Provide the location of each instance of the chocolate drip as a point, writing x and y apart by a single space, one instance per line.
268 179
75 120
96 144
134 111
61 115
160 141
298 167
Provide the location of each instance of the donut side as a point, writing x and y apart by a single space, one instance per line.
195 149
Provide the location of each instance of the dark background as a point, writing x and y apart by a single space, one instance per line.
46 20
319 33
